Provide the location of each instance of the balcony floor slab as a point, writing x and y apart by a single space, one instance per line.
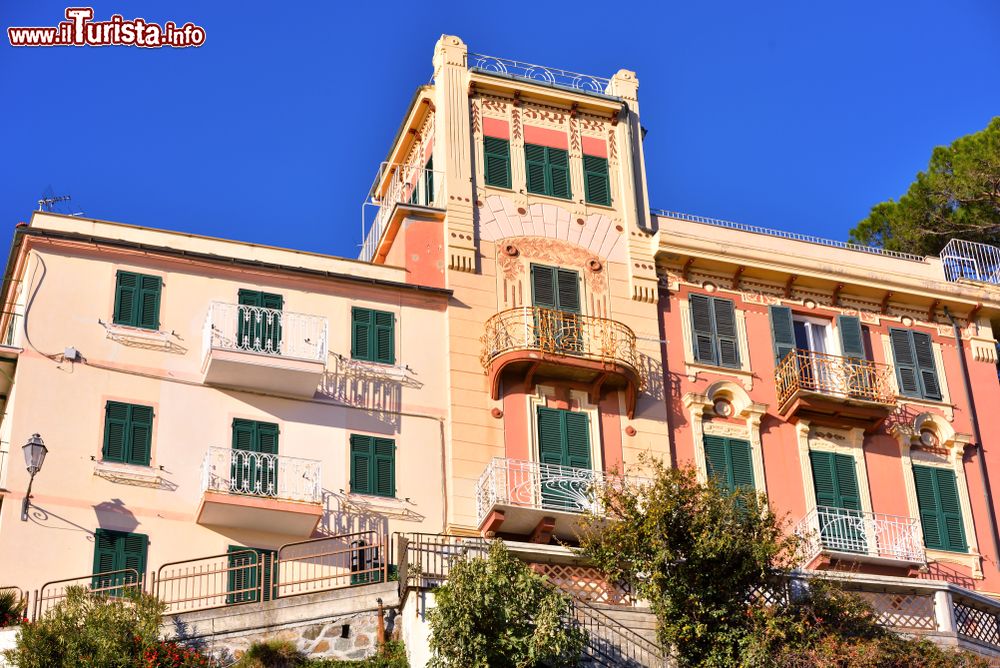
263 373
291 518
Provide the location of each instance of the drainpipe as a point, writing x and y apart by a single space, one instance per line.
974 417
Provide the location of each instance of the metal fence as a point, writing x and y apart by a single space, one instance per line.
265 331
106 583
971 260
862 533
210 582
232 471
539 73
396 184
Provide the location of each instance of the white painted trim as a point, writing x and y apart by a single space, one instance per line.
811 437
692 367
542 393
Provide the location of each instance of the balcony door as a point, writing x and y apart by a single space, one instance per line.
254 468
838 502
814 337
258 326
565 472
557 328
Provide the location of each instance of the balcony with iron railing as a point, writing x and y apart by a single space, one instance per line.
845 390
971 261
520 494
264 349
533 343
856 535
398 190
255 490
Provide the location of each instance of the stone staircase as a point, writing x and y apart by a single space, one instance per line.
617 636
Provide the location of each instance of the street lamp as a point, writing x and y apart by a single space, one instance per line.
34 457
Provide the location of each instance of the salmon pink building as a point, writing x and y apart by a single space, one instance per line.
231 426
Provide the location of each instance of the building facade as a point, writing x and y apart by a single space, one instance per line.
519 328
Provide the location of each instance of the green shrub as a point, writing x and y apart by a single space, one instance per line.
283 654
391 655
12 607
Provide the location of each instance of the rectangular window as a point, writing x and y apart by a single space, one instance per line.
713 328
547 170
838 501
916 370
596 182
137 300
555 288
429 182
258 327
563 441
128 433
373 335
940 509
246 566
119 560
251 470
729 462
496 162
373 465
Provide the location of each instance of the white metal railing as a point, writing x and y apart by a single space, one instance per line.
794 236
826 529
394 184
258 474
971 260
515 482
266 331
549 75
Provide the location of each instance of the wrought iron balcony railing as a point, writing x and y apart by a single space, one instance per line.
514 482
971 260
561 333
552 76
395 184
265 331
259 474
862 533
833 376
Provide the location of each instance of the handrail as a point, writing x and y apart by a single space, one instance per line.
232 471
625 644
396 183
362 558
198 583
265 331
832 375
118 580
971 260
561 333
793 236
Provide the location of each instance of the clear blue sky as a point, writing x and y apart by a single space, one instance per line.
796 115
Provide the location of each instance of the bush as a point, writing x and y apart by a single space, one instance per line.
283 654
494 612
12 607
85 629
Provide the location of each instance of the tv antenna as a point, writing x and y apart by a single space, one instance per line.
48 203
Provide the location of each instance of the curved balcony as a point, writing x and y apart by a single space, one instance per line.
855 535
826 387
537 342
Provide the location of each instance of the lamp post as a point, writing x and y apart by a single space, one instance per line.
34 457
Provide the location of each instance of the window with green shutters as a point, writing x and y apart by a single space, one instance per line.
729 462
245 567
137 300
596 182
940 509
128 433
119 559
373 465
496 162
547 171
250 473
373 335
782 332
563 440
555 288
713 331
835 480
916 370
259 331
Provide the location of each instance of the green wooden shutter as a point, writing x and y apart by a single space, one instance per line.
596 184
384 464
250 297
361 464
361 328
558 167
577 430
126 296
928 505
851 342
244 435
384 338
782 332
926 367
724 314
716 461
824 482
429 182
848 495
702 328
133 549
149 302
105 555
951 511
497 162
567 290
543 286
905 362
550 436
116 419
741 464
139 435
267 438
534 168
266 471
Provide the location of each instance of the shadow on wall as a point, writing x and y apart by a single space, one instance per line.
115 516
375 388
349 513
653 369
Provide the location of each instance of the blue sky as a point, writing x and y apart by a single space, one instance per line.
788 114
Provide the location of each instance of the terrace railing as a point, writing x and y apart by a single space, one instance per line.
833 376
265 331
862 533
539 73
233 471
972 261
396 184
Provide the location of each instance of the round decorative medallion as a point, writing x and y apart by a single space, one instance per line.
709 286
907 321
521 210
580 221
497 413
619 228
928 438
723 407
809 303
630 430
594 265
510 250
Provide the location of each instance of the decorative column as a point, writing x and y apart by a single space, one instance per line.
944 612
